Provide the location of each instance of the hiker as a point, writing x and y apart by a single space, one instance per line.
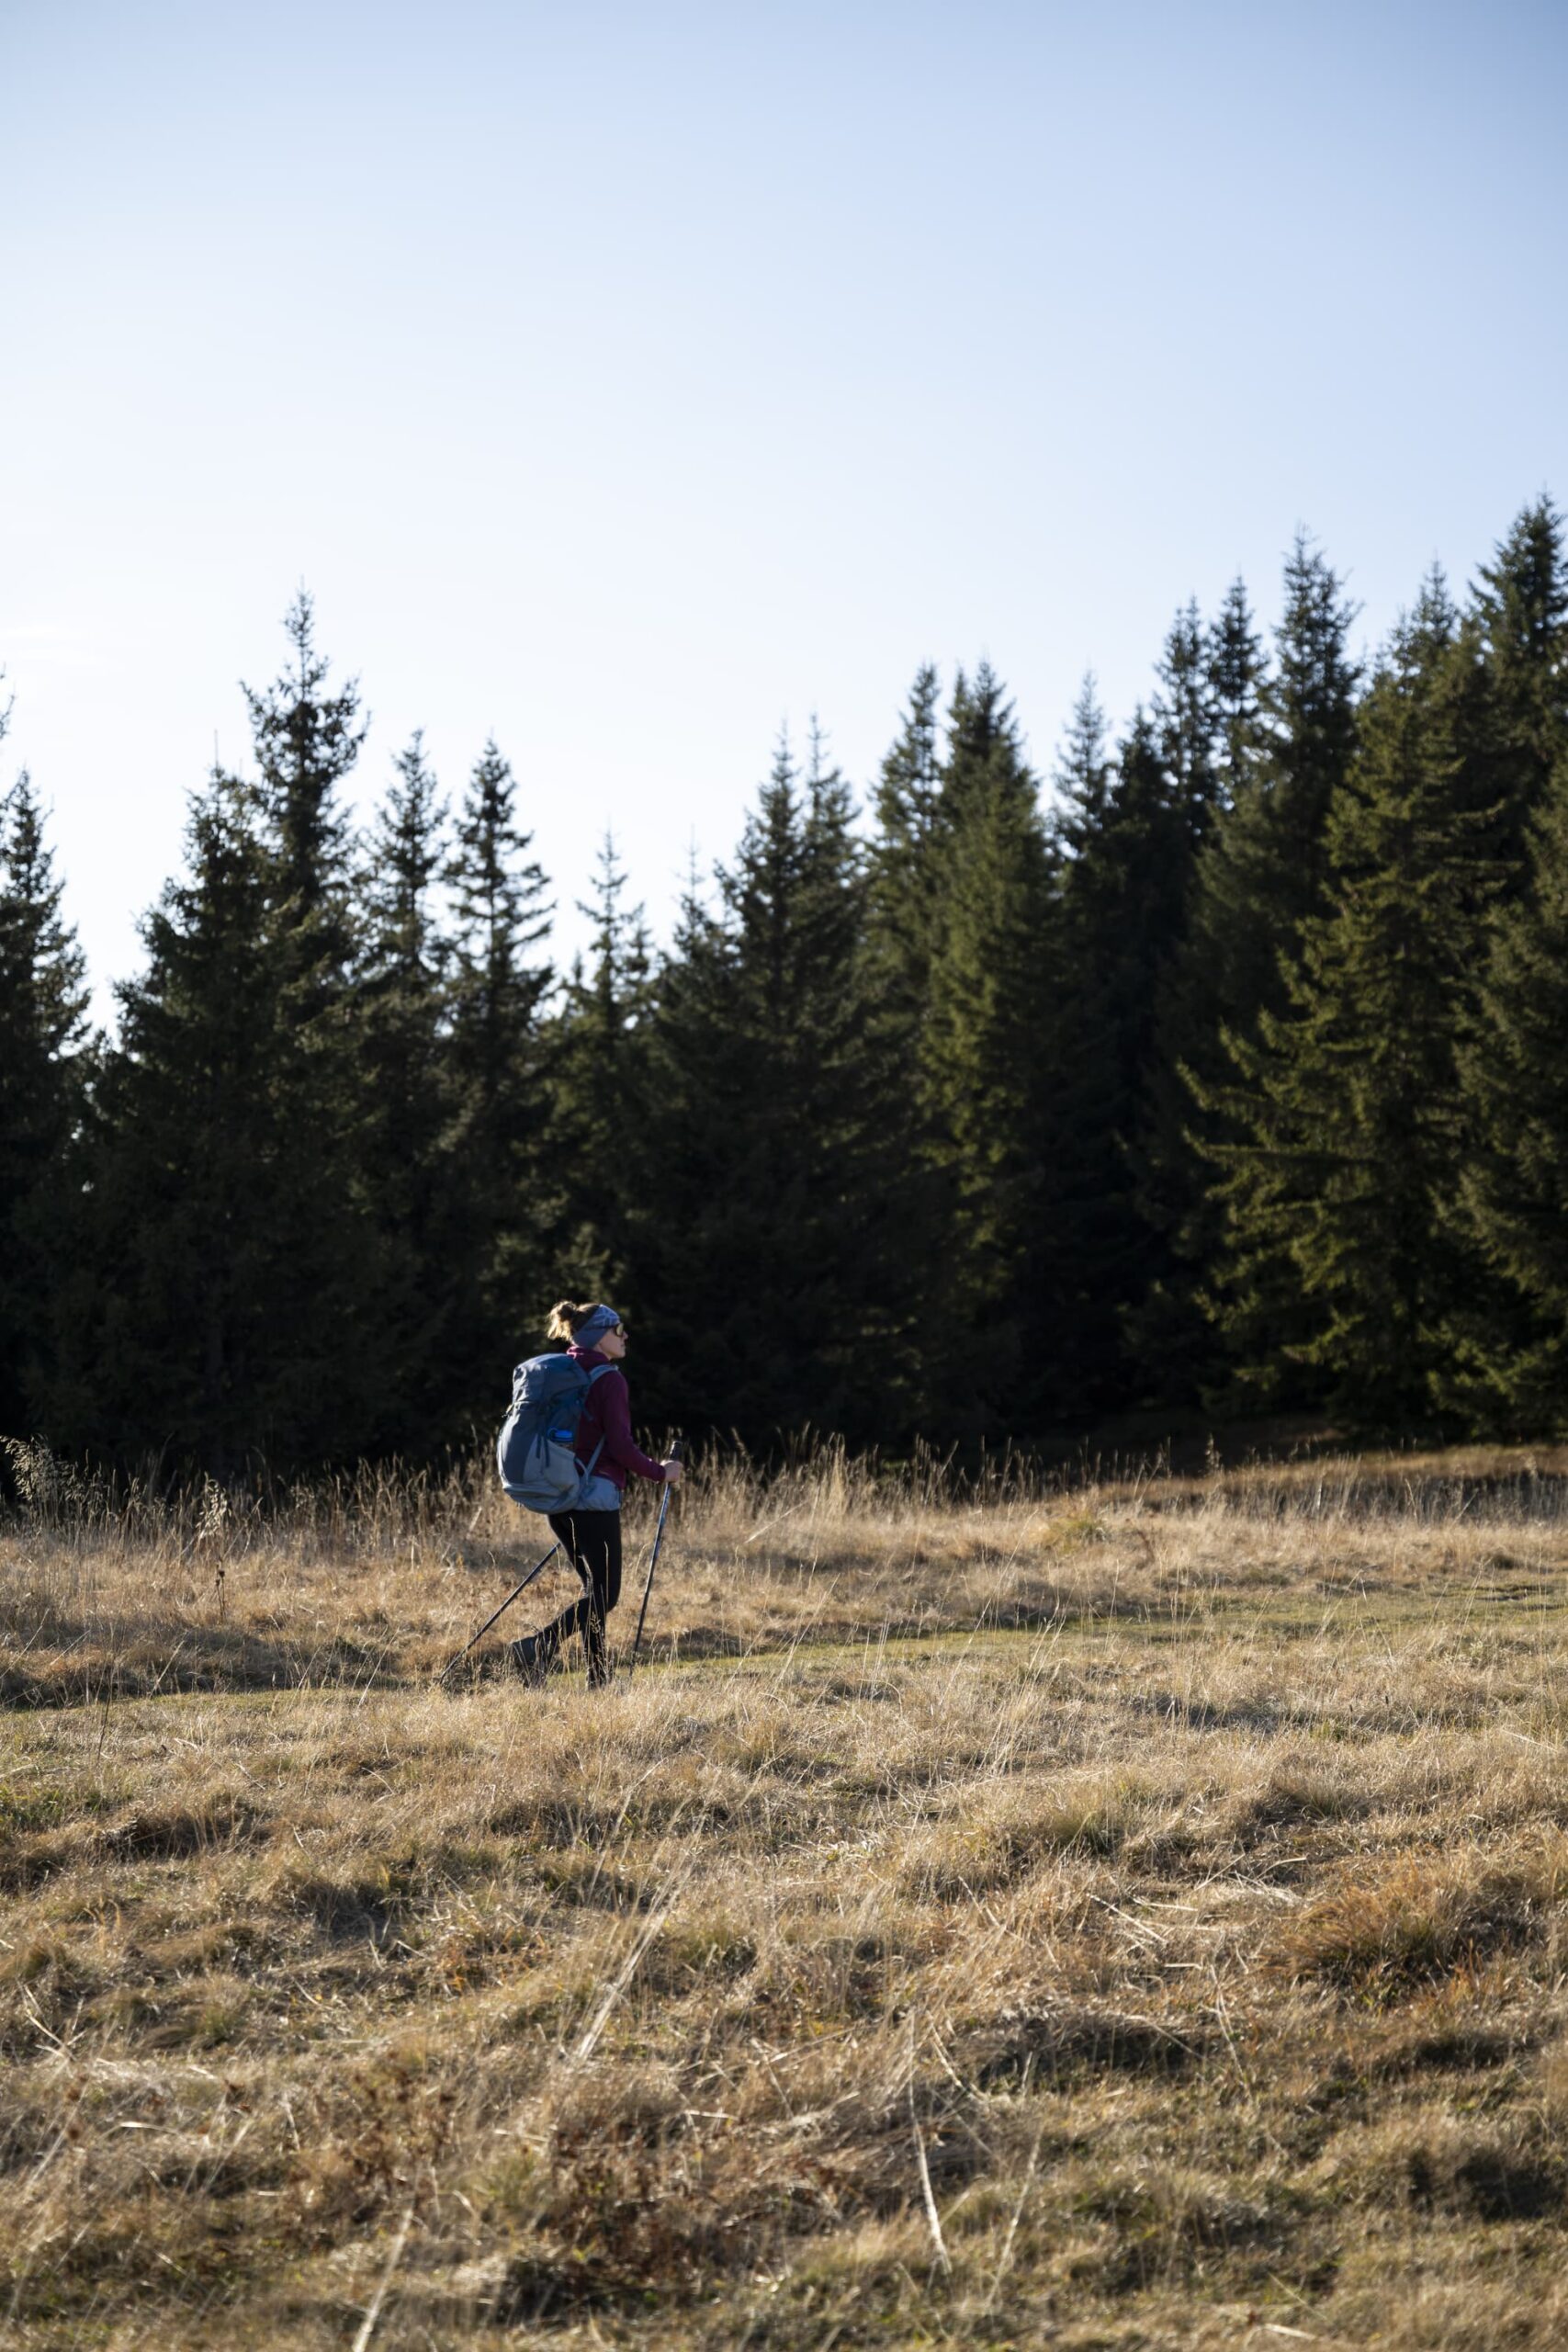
591 1530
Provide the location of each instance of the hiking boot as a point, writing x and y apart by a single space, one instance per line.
533 1661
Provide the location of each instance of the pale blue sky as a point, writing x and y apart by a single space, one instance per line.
627 379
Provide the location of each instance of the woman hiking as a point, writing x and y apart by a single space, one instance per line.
591 1530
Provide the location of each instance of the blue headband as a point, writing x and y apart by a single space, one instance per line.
593 1325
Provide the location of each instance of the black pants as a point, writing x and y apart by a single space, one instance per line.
593 1541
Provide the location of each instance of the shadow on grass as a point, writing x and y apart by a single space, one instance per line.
1044 2045
81 1669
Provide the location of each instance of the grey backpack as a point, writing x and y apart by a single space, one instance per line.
537 1450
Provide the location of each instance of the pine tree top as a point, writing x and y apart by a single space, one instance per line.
43 985
306 742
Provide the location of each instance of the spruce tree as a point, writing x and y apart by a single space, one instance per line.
398 1016
777 1242
1186 726
403 950
1511 1364
910 862
1260 874
1238 674
187 1355
602 1081
1508 688
43 1008
988 1052
1265 872
240 1310
306 742
908 858
507 1207
1127 829
1083 773
984 750
1211 716
1128 891
1347 1104
326 1286
1512 690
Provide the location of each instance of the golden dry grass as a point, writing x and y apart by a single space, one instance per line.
1129 1917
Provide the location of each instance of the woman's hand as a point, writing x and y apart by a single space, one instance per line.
671 1469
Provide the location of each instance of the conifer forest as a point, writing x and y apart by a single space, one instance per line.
1218 1071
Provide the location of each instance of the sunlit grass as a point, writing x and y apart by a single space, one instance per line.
1129 1917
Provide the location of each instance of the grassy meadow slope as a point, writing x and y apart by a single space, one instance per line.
1130 1917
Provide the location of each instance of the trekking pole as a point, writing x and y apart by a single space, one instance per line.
505 1605
676 1452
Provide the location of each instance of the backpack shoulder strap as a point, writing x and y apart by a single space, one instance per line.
598 1370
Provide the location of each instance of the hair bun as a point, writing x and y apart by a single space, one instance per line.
565 1317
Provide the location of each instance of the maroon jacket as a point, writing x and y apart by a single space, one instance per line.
607 1415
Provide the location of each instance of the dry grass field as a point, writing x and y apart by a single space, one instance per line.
1129 1917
